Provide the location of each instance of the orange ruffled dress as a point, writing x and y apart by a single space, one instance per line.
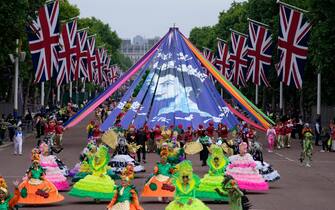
159 184
38 190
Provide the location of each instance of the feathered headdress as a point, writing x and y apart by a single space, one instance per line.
184 168
127 173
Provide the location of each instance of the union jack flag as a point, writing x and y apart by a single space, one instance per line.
99 65
67 53
293 37
90 58
112 73
43 39
259 53
223 60
209 55
80 69
106 70
238 58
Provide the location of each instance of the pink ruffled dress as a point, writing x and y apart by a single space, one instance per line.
243 169
53 173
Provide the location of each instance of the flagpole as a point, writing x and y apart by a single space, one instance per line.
318 103
58 94
281 97
291 6
256 95
16 80
221 92
70 91
42 94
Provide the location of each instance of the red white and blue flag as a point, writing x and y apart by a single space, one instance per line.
67 52
222 61
80 69
238 58
90 58
293 38
43 36
99 66
209 55
259 53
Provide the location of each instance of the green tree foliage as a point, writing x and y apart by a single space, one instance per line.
15 16
321 47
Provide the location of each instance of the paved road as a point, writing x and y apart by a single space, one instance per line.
299 188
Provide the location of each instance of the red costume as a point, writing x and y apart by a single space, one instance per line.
188 134
222 131
210 129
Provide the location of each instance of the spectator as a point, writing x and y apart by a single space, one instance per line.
317 131
18 141
3 128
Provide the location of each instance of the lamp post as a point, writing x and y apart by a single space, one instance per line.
15 58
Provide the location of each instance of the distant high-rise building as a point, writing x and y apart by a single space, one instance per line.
138 47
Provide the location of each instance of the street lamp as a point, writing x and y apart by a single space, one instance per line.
15 58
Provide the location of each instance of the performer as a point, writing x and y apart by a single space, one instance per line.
205 141
52 171
243 168
141 139
288 132
159 184
122 156
265 169
237 199
99 185
271 136
186 184
125 195
36 189
280 132
222 131
306 154
217 163
188 134
89 129
59 130
210 130
8 201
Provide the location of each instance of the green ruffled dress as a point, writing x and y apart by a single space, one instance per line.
97 185
212 181
185 194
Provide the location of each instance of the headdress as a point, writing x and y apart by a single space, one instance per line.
184 168
127 173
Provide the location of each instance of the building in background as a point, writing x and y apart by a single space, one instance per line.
136 48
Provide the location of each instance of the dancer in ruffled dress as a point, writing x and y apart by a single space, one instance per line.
36 189
159 184
125 196
186 184
265 169
99 185
7 200
243 168
53 173
217 163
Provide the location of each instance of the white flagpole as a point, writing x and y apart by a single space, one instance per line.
83 89
58 94
256 95
281 97
42 94
318 103
16 80
70 89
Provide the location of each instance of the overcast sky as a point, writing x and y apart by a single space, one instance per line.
151 18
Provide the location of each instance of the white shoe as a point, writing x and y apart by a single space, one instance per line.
308 165
322 150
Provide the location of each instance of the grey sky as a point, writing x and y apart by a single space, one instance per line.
151 18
